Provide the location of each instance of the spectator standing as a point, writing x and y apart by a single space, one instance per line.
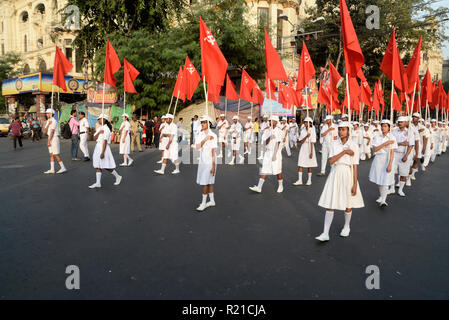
149 127
16 132
36 127
135 134
156 131
74 128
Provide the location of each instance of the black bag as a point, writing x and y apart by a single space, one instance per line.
66 132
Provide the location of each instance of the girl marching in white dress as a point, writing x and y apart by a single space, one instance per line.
307 155
103 158
342 190
125 141
272 157
207 145
365 152
248 135
381 172
169 137
162 142
236 134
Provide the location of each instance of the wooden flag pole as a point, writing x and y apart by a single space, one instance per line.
176 103
205 94
169 107
349 100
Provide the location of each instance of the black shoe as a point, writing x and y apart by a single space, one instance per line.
86 159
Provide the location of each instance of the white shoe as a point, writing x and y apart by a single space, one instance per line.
397 185
62 170
210 204
260 158
322 237
249 152
202 207
220 156
159 172
123 164
118 180
160 161
280 189
95 185
242 160
401 193
255 189
130 162
379 200
298 183
413 178
345 232
391 191
176 171
49 172
309 183
409 183
231 163
423 169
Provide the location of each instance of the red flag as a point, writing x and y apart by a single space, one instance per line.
366 93
230 89
413 68
306 69
323 95
397 105
273 62
62 66
130 74
213 93
178 91
426 89
213 63
191 78
111 65
391 64
376 102
335 80
246 86
354 89
270 88
381 94
258 97
354 59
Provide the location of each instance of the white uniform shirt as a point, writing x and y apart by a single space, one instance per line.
84 125
337 147
402 136
249 128
276 135
304 132
206 149
381 139
106 135
223 129
126 127
52 124
236 130
331 135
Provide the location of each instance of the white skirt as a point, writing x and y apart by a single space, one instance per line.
172 152
54 147
107 162
337 190
163 143
270 167
236 145
203 176
304 160
125 148
378 173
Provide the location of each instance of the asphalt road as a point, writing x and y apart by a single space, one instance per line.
144 240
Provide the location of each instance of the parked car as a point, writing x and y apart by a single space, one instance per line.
4 126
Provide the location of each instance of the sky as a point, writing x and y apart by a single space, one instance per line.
445 48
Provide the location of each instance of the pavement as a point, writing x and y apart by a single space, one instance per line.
144 239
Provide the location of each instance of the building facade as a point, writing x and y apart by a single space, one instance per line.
445 76
33 28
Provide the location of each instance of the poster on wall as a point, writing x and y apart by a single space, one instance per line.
312 88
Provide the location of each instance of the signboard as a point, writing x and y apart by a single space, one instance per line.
41 82
96 95
312 89
275 108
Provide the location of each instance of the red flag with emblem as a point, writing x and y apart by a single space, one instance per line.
246 86
270 88
178 91
306 69
191 78
273 62
335 80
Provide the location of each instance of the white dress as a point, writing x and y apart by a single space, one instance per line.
236 135
378 173
54 147
366 144
172 152
125 147
108 161
270 167
163 141
223 132
304 160
336 194
248 135
204 176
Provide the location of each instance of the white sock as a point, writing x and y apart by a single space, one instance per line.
211 197
204 198
61 164
260 185
384 193
52 166
348 216
280 182
401 186
409 180
177 166
98 176
115 174
163 167
300 176
414 171
327 222
310 177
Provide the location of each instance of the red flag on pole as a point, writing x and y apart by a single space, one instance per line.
306 69
270 88
323 95
258 97
131 74
213 63
354 58
230 89
426 89
413 68
178 91
213 93
191 78
273 62
366 93
335 80
111 66
391 64
376 102
246 86
397 105
62 66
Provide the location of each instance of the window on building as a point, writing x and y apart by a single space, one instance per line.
279 31
26 69
79 61
3 49
40 8
263 18
25 43
40 43
42 67
24 16
68 54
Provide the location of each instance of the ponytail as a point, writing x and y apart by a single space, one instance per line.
106 122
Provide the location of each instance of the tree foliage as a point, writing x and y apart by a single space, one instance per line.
8 69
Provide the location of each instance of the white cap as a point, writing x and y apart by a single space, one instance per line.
235 117
205 118
339 120
433 120
402 119
274 118
355 123
344 115
385 121
169 116
344 124
308 119
222 115
50 111
103 116
125 115
249 117
376 121
283 119
329 117
366 125
416 115
265 117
